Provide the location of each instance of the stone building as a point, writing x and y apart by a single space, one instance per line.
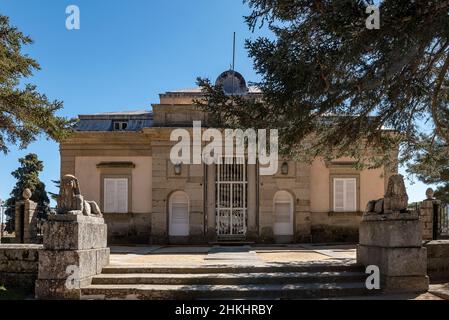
122 162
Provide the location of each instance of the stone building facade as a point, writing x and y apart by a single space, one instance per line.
122 160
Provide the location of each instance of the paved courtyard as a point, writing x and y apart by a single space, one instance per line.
235 255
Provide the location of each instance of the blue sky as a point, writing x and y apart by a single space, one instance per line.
124 55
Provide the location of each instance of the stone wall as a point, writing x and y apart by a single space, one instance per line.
438 259
19 265
166 182
126 228
83 151
335 227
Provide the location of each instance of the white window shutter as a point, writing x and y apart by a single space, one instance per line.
345 194
115 195
122 195
350 195
110 192
339 195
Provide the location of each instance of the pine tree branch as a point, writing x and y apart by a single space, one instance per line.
441 129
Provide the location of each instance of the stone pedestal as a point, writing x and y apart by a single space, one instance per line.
393 242
75 250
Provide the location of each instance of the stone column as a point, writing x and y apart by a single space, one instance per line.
426 213
30 218
18 228
75 250
28 209
393 242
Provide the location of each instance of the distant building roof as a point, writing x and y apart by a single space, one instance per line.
231 81
119 114
197 90
135 121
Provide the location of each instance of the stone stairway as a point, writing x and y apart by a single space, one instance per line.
269 281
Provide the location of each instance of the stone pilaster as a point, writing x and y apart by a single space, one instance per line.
159 217
18 227
252 232
75 250
211 231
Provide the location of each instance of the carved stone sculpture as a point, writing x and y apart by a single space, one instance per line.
26 194
370 206
430 194
72 202
379 206
395 199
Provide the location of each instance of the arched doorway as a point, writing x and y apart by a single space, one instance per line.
283 214
178 209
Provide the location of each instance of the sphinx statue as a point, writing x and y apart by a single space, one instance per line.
395 199
71 201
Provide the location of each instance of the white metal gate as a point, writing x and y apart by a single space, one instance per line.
231 197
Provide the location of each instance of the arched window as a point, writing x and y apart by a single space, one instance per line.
178 214
283 214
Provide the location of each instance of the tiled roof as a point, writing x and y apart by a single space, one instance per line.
120 114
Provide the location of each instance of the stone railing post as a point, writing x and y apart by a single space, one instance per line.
427 211
393 242
26 214
75 250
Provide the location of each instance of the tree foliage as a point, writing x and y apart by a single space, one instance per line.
24 112
27 176
431 166
324 74
55 196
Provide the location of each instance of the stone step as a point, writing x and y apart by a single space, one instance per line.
256 291
230 278
227 242
306 267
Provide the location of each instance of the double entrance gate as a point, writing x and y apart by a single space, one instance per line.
231 198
